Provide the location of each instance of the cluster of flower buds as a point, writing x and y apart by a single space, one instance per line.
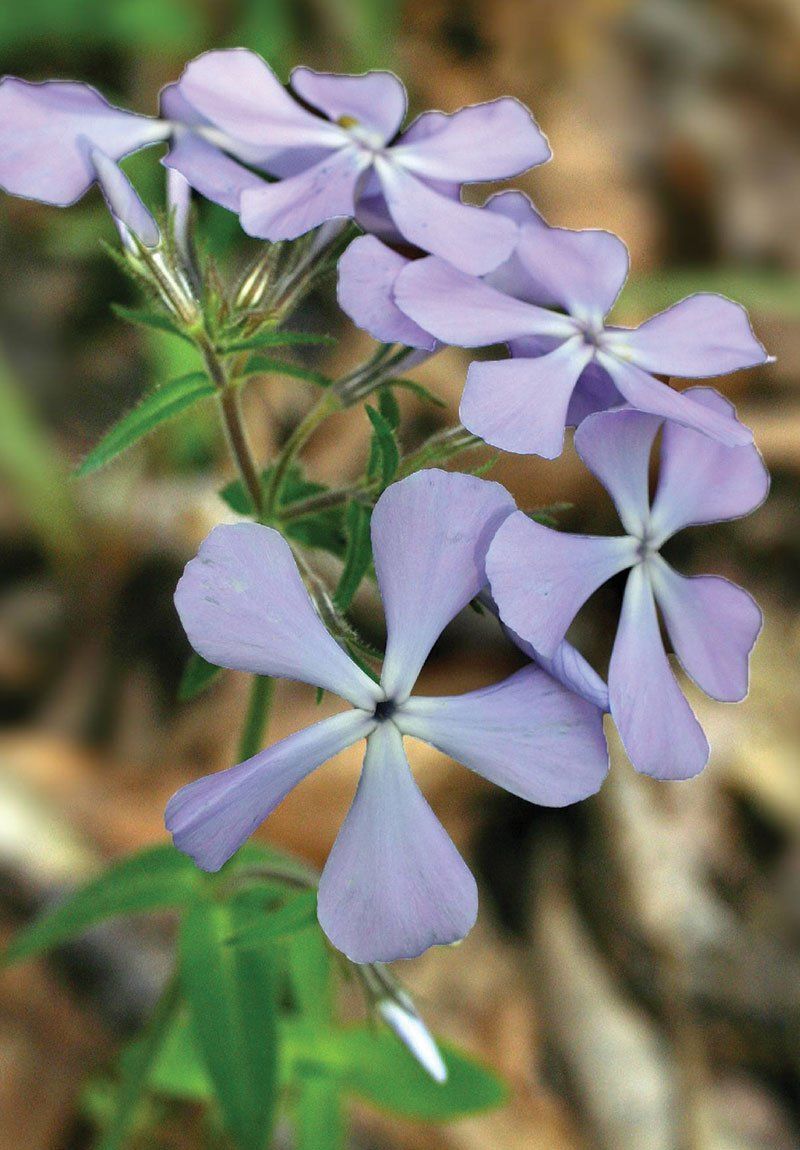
429 271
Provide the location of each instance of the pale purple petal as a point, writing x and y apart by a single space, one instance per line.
521 405
646 393
468 237
483 142
701 336
179 207
209 171
582 271
47 132
713 626
430 533
513 277
528 734
243 605
393 884
124 202
460 309
595 391
657 726
211 818
375 99
367 274
238 92
702 481
516 206
540 578
616 447
289 208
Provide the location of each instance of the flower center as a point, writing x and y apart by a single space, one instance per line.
368 138
385 709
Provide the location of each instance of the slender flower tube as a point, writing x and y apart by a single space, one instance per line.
540 578
394 884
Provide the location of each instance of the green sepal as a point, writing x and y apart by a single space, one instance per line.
156 408
198 675
232 997
154 879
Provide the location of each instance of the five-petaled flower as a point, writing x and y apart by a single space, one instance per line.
339 154
540 578
394 884
522 404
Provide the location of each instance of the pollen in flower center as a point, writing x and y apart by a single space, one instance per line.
364 136
385 709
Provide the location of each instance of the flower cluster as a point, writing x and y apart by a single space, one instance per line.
432 270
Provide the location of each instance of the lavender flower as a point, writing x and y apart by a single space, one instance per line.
564 366
394 884
345 158
540 578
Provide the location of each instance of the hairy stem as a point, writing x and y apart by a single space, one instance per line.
255 724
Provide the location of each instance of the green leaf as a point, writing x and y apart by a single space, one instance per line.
385 453
276 339
178 1070
143 318
151 880
357 557
419 390
376 1067
260 364
389 407
232 997
197 677
319 1118
310 970
269 927
157 407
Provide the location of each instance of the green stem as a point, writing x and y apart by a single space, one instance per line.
255 724
326 405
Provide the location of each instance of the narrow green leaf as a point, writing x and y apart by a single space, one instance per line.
386 453
277 339
319 1118
389 407
151 880
148 319
136 1064
197 677
157 407
296 914
232 997
261 364
178 1070
357 557
419 390
310 970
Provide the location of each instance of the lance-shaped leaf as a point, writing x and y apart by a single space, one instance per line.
273 338
419 390
357 557
156 408
266 928
143 318
264 365
384 453
154 879
232 998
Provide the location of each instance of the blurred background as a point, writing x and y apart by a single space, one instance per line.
635 973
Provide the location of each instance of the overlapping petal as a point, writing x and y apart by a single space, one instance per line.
460 309
528 734
658 728
467 236
393 884
482 142
430 534
365 290
701 480
295 205
521 405
645 393
47 132
209 171
239 93
243 605
375 99
540 578
702 335
583 271
211 818
713 626
616 447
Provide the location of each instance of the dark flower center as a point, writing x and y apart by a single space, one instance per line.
385 709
